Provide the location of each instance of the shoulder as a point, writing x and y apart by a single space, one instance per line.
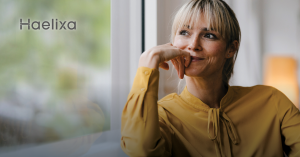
252 88
258 95
168 99
171 100
170 103
261 90
165 106
263 93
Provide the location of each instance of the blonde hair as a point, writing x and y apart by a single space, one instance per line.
221 19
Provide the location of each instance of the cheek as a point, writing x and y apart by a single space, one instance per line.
179 43
216 49
216 53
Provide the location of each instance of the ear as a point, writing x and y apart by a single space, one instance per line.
232 48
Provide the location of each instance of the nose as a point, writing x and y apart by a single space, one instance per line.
195 44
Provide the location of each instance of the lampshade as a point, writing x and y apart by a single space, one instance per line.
281 73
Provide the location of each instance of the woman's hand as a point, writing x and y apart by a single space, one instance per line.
159 55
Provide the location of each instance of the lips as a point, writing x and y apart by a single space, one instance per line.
194 58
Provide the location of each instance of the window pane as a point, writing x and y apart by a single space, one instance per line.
55 82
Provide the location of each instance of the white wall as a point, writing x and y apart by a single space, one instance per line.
281 28
269 27
247 70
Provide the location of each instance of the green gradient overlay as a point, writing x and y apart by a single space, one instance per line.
55 84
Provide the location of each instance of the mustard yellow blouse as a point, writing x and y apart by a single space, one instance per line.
255 121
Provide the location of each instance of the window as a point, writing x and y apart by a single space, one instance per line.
78 80
55 82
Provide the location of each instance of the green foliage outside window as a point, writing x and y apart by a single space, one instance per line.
54 83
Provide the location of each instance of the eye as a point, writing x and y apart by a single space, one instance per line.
210 36
184 32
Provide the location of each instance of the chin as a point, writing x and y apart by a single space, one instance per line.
193 72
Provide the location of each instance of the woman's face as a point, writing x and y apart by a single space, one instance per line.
206 47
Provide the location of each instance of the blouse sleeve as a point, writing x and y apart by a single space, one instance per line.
289 116
143 132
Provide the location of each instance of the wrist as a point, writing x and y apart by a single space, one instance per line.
149 59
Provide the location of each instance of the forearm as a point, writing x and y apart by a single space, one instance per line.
140 130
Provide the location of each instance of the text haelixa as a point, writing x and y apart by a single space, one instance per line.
54 25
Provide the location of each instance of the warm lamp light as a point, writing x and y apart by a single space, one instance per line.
281 73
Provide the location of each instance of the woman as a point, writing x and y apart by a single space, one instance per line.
209 118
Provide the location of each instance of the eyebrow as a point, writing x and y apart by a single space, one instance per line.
206 29
203 29
187 26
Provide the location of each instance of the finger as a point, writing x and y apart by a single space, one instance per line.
187 58
181 67
177 66
169 44
175 63
164 65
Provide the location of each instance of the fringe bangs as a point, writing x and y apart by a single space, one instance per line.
215 13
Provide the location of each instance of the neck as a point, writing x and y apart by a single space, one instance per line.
208 90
